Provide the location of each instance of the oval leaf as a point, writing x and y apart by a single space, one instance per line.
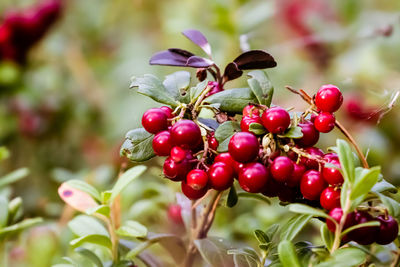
261 87
291 229
101 240
224 133
137 146
199 62
132 229
232 72
287 254
126 178
232 100
85 187
171 57
199 39
255 59
76 198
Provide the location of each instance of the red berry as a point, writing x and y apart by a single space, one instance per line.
388 230
175 213
295 178
162 144
197 179
276 120
251 110
330 198
325 122
227 159
168 111
243 147
286 194
212 141
272 188
176 171
312 163
332 175
253 177
310 135
312 185
336 214
328 98
221 176
247 120
186 133
178 154
191 193
331 156
281 169
154 120
364 235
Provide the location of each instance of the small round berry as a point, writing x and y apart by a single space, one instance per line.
286 194
328 98
388 230
336 214
227 159
186 133
251 110
276 120
162 144
178 154
330 198
295 178
212 142
310 135
197 179
192 194
243 147
281 169
176 171
331 156
332 175
221 176
175 213
364 235
272 188
154 120
325 122
312 163
253 177
247 120
168 111
312 185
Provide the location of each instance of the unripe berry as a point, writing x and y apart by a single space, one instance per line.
154 120
253 177
310 135
192 194
243 147
197 179
330 198
175 214
251 110
281 169
388 230
186 133
176 171
221 176
276 120
295 178
312 185
332 175
328 98
325 122
162 144
247 120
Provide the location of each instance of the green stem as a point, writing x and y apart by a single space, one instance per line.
339 228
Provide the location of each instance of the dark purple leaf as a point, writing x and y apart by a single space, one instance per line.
201 74
171 57
255 59
232 72
199 39
199 62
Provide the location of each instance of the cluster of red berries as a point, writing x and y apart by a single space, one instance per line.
20 30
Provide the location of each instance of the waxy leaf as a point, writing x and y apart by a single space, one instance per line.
93 239
224 133
214 251
132 229
199 39
83 225
257 128
345 257
261 86
232 100
3 211
232 199
291 229
346 160
76 198
126 178
90 255
245 257
287 254
85 187
255 59
327 236
138 145
101 209
293 132
199 62
261 236
13 176
384 186
364 181
392 205
15 228
171 57
304 209
232 72
177 84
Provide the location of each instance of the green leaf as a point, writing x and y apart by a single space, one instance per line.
4 153
304 209
13 176
293 132
261 87
364 181
257 128
149 85
101 240
272 231
384 186
261 236
327 236
214 251
244 257
3 211
232 100
125 179
85 187
224 133
171 243
354 227
290 230
346 160
177 84
63 265
138 146
132 229
287 254
254 196
345 257
19 226
392 205
196 91
14 210
343 193
83 225
101 209
232 199
89 255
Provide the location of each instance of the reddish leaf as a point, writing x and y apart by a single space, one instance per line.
199 39
232 72
171 57
199 62
255 59
77 199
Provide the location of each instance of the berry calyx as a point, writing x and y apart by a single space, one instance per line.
253 177
310 135
247 120
221 176
154 120
243 147
251 110
186 133
312 185
332 175
330 198
281 169
388 230
276 120
192 194
197 179
175 214
325 122
162 143
328 98
176 171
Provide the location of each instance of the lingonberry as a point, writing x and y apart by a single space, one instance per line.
330 198
281 169
310 135
336 214
186 133
328 98
364 235
271 188
312 185
176 171
154 120
331 156
247 120
178 154
221 176
276 120
175 213
295 178
388 230
332 175
192 194
253 177
324 122
168 111
251 110
286 194
212 141
162 144
243 147
197 179
312 163
227 159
